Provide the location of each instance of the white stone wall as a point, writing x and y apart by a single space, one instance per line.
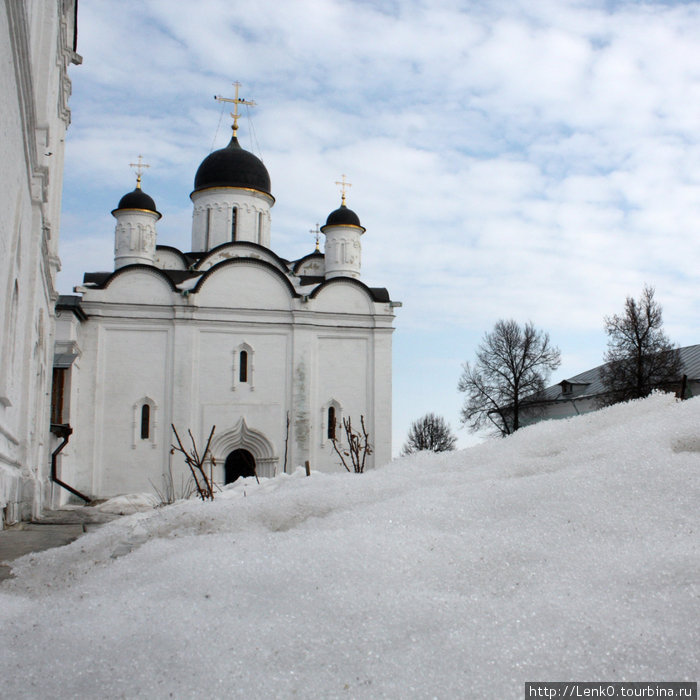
212 217
36 47
134 237
343 251
182 353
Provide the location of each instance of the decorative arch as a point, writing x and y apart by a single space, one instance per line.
241 437
239 249
378 294
317 254
173 252
139 267
254 262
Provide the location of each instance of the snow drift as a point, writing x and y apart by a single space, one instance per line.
568 551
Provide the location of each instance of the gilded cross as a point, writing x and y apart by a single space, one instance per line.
236 101
343 185
139 166
317 232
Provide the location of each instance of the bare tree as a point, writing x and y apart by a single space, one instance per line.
430 432
639 357
358 446
512 362
202 480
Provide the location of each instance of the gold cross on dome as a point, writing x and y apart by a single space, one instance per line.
139 166
343 185
236 101
317 232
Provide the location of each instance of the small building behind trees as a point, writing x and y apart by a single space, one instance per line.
586 392
639 359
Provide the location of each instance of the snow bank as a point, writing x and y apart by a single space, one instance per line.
568 551
128 504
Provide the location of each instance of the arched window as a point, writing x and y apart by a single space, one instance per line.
145 424
145 421
243 367
234 217
331 422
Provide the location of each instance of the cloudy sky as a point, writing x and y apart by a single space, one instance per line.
529 160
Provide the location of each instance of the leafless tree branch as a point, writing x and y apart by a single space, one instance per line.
358 446
202 480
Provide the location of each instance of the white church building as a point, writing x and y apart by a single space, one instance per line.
274 353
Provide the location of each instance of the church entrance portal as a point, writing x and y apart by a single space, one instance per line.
239 463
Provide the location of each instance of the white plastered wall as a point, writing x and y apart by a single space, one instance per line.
213 217
35 50
181 351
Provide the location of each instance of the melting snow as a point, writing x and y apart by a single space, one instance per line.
189 284
568 551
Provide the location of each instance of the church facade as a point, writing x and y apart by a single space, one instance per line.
272 353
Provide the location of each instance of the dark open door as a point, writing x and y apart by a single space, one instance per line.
239 463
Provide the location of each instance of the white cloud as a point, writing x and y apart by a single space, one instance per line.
529 160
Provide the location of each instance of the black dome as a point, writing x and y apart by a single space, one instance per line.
232 167
343 217
137 199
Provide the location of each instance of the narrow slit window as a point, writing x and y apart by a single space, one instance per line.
243 369
145 421
331 422
57 388
260 226
234 216
207 230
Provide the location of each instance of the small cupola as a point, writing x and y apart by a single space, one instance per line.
137 199
343 249
342 216
135 230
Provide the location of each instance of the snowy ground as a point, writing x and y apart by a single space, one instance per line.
569 551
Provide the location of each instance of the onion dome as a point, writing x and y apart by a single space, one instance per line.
232 167
137 199
343 216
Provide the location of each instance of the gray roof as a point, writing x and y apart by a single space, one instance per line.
690 358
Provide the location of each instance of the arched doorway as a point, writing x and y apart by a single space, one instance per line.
239 463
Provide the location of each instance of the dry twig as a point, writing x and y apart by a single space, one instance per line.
203 482
358 447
